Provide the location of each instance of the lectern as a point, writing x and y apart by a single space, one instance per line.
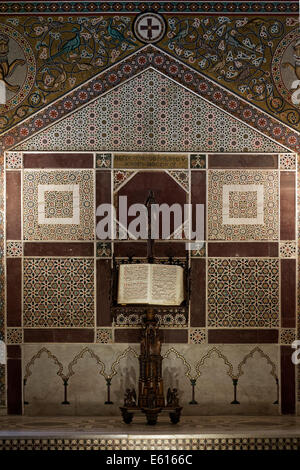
151 399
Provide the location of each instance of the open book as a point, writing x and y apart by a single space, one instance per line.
155 284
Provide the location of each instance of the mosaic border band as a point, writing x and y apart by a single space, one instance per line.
161 443
139 7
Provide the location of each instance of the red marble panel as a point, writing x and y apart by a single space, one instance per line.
287 205
243 336
14 380
232 249
104 317
198 193
13 205
288 393
132 335
198 292
103 187
288 293
58 249
13 291
242 161
58 160
139 249
58 335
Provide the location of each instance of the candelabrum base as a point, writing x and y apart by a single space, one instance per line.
151 413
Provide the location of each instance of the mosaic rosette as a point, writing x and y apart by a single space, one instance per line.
197 161
243 292
288 161
58 292
198 335
103 160
25 60
13 160
288 249
14 249
58 205
199 249
14 336
242 205
287 335
281 71
103 250
104 335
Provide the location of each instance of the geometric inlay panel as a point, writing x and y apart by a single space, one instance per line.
242 205
58 292
58 205
243 292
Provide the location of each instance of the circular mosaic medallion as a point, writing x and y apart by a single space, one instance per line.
149 27
17 68
286 67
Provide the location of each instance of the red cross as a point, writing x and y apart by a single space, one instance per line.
150 27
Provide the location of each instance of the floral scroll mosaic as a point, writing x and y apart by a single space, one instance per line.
58 53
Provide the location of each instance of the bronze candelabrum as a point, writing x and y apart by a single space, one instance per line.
151 400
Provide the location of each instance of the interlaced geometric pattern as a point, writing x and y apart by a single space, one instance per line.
243 205
243 292
58 292
150 113
58 205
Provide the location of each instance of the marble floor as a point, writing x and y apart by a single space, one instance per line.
195 426
193 432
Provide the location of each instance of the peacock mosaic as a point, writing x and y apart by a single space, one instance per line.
238 53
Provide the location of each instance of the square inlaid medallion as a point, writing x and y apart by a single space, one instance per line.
243 205
58 205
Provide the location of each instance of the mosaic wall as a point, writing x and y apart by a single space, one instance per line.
97 85
61 289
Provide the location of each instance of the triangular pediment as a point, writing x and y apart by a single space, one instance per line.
141 105
150 113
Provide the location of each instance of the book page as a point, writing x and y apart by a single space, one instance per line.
133 285
166 285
